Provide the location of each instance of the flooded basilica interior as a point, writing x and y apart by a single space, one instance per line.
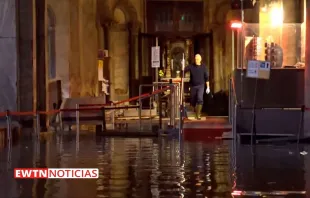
55 49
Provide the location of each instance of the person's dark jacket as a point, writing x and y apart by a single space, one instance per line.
198 74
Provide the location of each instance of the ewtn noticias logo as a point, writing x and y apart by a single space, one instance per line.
56 173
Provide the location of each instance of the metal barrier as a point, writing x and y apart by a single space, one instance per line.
173 101
233 107
174 90
177 94
233 110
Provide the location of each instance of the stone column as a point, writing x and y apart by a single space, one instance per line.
307 70
40 71
25 64
134 67
307 91
119 67
290 34
75 49
89 48
8 55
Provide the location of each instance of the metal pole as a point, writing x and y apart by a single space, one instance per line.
156 69
180 122
140 107
104 126
156 75
77 116
176 103
160 111
241 53
60 121
172 106
151 123
238 49
230 101
232 50
235 122
113 117
9 157
38 127
9 127
301 123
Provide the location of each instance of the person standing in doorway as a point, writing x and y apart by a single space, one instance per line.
198 79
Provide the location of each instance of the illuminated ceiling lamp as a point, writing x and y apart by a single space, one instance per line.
236 25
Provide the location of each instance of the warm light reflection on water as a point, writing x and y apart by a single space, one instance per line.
146 168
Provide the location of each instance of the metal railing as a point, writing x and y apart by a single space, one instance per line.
233 110
233 107
174 102
174 107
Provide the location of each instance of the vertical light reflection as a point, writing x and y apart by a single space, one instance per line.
155 172
221 170
171 174
143 172
77 145
233 164
103 158
119 169
62 162
49 183
199 172
35 160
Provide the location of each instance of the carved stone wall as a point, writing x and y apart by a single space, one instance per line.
62 42
8 55
124 15
89 48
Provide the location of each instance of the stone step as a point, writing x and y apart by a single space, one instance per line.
135 112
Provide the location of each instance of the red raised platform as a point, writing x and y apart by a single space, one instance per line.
205 129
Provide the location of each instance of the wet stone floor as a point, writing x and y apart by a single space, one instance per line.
154 167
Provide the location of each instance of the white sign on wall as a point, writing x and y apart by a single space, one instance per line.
156 57
258 69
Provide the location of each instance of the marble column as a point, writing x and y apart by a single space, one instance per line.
119 67
89 48
307 92
8 55
290 31
134 60
40 101
75 48
25 63
307 70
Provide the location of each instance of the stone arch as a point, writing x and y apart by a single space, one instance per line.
122 19
104 13
51 16
119 16
128 9
51 42
221 12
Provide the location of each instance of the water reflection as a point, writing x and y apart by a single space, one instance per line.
144 168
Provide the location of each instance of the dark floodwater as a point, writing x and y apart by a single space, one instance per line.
148 168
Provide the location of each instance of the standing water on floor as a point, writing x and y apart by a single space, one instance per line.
152 167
